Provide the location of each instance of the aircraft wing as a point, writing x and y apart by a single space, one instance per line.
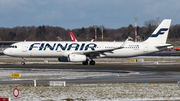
96 51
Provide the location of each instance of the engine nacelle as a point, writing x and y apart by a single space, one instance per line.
77 58
73 58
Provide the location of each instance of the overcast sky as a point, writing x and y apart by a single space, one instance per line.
71 14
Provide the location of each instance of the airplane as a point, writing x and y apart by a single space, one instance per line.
85 52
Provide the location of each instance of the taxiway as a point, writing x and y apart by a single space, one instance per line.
146 73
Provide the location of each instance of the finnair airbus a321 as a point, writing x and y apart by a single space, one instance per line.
67 51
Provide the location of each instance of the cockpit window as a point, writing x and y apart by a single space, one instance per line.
12 46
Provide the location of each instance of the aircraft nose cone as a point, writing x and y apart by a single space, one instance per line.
6 52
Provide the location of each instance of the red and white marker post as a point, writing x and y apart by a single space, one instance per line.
16 92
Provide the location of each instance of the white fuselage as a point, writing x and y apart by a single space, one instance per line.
43 49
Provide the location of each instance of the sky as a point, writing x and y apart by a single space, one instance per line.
71 14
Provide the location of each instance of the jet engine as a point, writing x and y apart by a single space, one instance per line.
73 58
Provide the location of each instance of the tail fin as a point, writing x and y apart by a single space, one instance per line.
73 37
161 32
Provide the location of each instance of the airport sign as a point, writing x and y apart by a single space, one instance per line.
132 60
5 99
15 75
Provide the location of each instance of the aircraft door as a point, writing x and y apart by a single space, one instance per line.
24 47
145 48
101 47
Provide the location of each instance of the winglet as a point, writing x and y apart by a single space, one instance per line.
122 46
73 37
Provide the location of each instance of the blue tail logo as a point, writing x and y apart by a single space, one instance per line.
161 31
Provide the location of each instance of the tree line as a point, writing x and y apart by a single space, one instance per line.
49 33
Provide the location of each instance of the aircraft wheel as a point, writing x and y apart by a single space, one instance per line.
85 63
22 63
92 63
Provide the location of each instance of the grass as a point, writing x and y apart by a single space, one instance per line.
94 91
175 43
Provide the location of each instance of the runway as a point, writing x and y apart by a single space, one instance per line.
120 73
105 66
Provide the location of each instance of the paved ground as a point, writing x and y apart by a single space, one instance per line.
148 73
100 66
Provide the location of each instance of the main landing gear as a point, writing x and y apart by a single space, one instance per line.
85 63
92 62
23 61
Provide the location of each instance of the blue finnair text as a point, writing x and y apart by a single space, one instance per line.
63 47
